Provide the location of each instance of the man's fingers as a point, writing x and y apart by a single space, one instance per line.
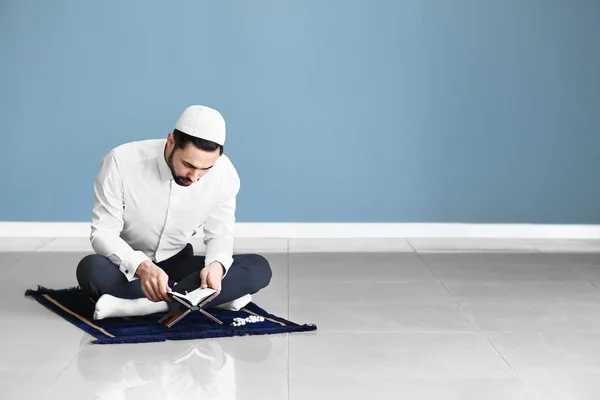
214 283
203 278
163 291
151 291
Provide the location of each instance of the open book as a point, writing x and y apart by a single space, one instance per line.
195 298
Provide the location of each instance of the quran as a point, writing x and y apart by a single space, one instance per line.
193 298
192 301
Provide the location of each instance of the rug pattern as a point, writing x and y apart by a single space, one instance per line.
78 309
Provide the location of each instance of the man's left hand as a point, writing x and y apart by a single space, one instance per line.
211 276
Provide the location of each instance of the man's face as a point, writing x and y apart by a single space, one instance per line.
189 164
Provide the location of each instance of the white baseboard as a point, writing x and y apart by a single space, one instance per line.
340 230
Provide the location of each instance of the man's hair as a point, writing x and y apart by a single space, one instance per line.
183 139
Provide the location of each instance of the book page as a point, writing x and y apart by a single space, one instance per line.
196 296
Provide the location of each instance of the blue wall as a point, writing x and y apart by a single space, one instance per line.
337 111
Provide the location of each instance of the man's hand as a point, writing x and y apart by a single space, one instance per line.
211 276
154 281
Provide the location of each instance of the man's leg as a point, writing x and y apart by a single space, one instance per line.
101 279
248 274
97 275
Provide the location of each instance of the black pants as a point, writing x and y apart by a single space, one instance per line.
249 273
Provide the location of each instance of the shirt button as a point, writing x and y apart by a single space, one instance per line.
126 271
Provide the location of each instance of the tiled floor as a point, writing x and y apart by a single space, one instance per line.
434 320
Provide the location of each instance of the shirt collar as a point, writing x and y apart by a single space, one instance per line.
165 171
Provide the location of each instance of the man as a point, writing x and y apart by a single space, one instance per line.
151 197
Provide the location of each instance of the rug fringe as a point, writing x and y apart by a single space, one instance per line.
129 339
202 335
45 290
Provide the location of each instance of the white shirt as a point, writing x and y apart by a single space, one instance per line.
140 213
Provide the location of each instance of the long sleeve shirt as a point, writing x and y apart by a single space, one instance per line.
140 213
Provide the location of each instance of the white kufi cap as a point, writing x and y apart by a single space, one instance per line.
202 122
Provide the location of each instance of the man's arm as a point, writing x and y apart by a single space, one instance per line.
107 220
218 228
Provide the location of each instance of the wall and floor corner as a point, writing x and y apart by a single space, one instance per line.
349 119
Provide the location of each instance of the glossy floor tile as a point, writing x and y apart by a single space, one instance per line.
444 245
8 259
53 270
475 324
260 245
396 387
356 267
534 353
586 266
78 244
568 291
533 316
30 385
8 244
570 246
253 367
560 365
49 351
415 366
363 292
331 245
407 316
497 267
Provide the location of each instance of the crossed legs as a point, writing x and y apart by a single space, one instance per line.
98 276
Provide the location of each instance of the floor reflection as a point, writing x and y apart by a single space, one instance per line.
206 369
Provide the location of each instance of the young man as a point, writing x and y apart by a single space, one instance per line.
151 197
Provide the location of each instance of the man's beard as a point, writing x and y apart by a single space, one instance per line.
178 179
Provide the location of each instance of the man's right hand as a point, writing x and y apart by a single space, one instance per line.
154 281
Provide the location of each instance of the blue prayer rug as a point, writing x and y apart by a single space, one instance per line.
77 308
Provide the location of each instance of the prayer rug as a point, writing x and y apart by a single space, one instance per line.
77 308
